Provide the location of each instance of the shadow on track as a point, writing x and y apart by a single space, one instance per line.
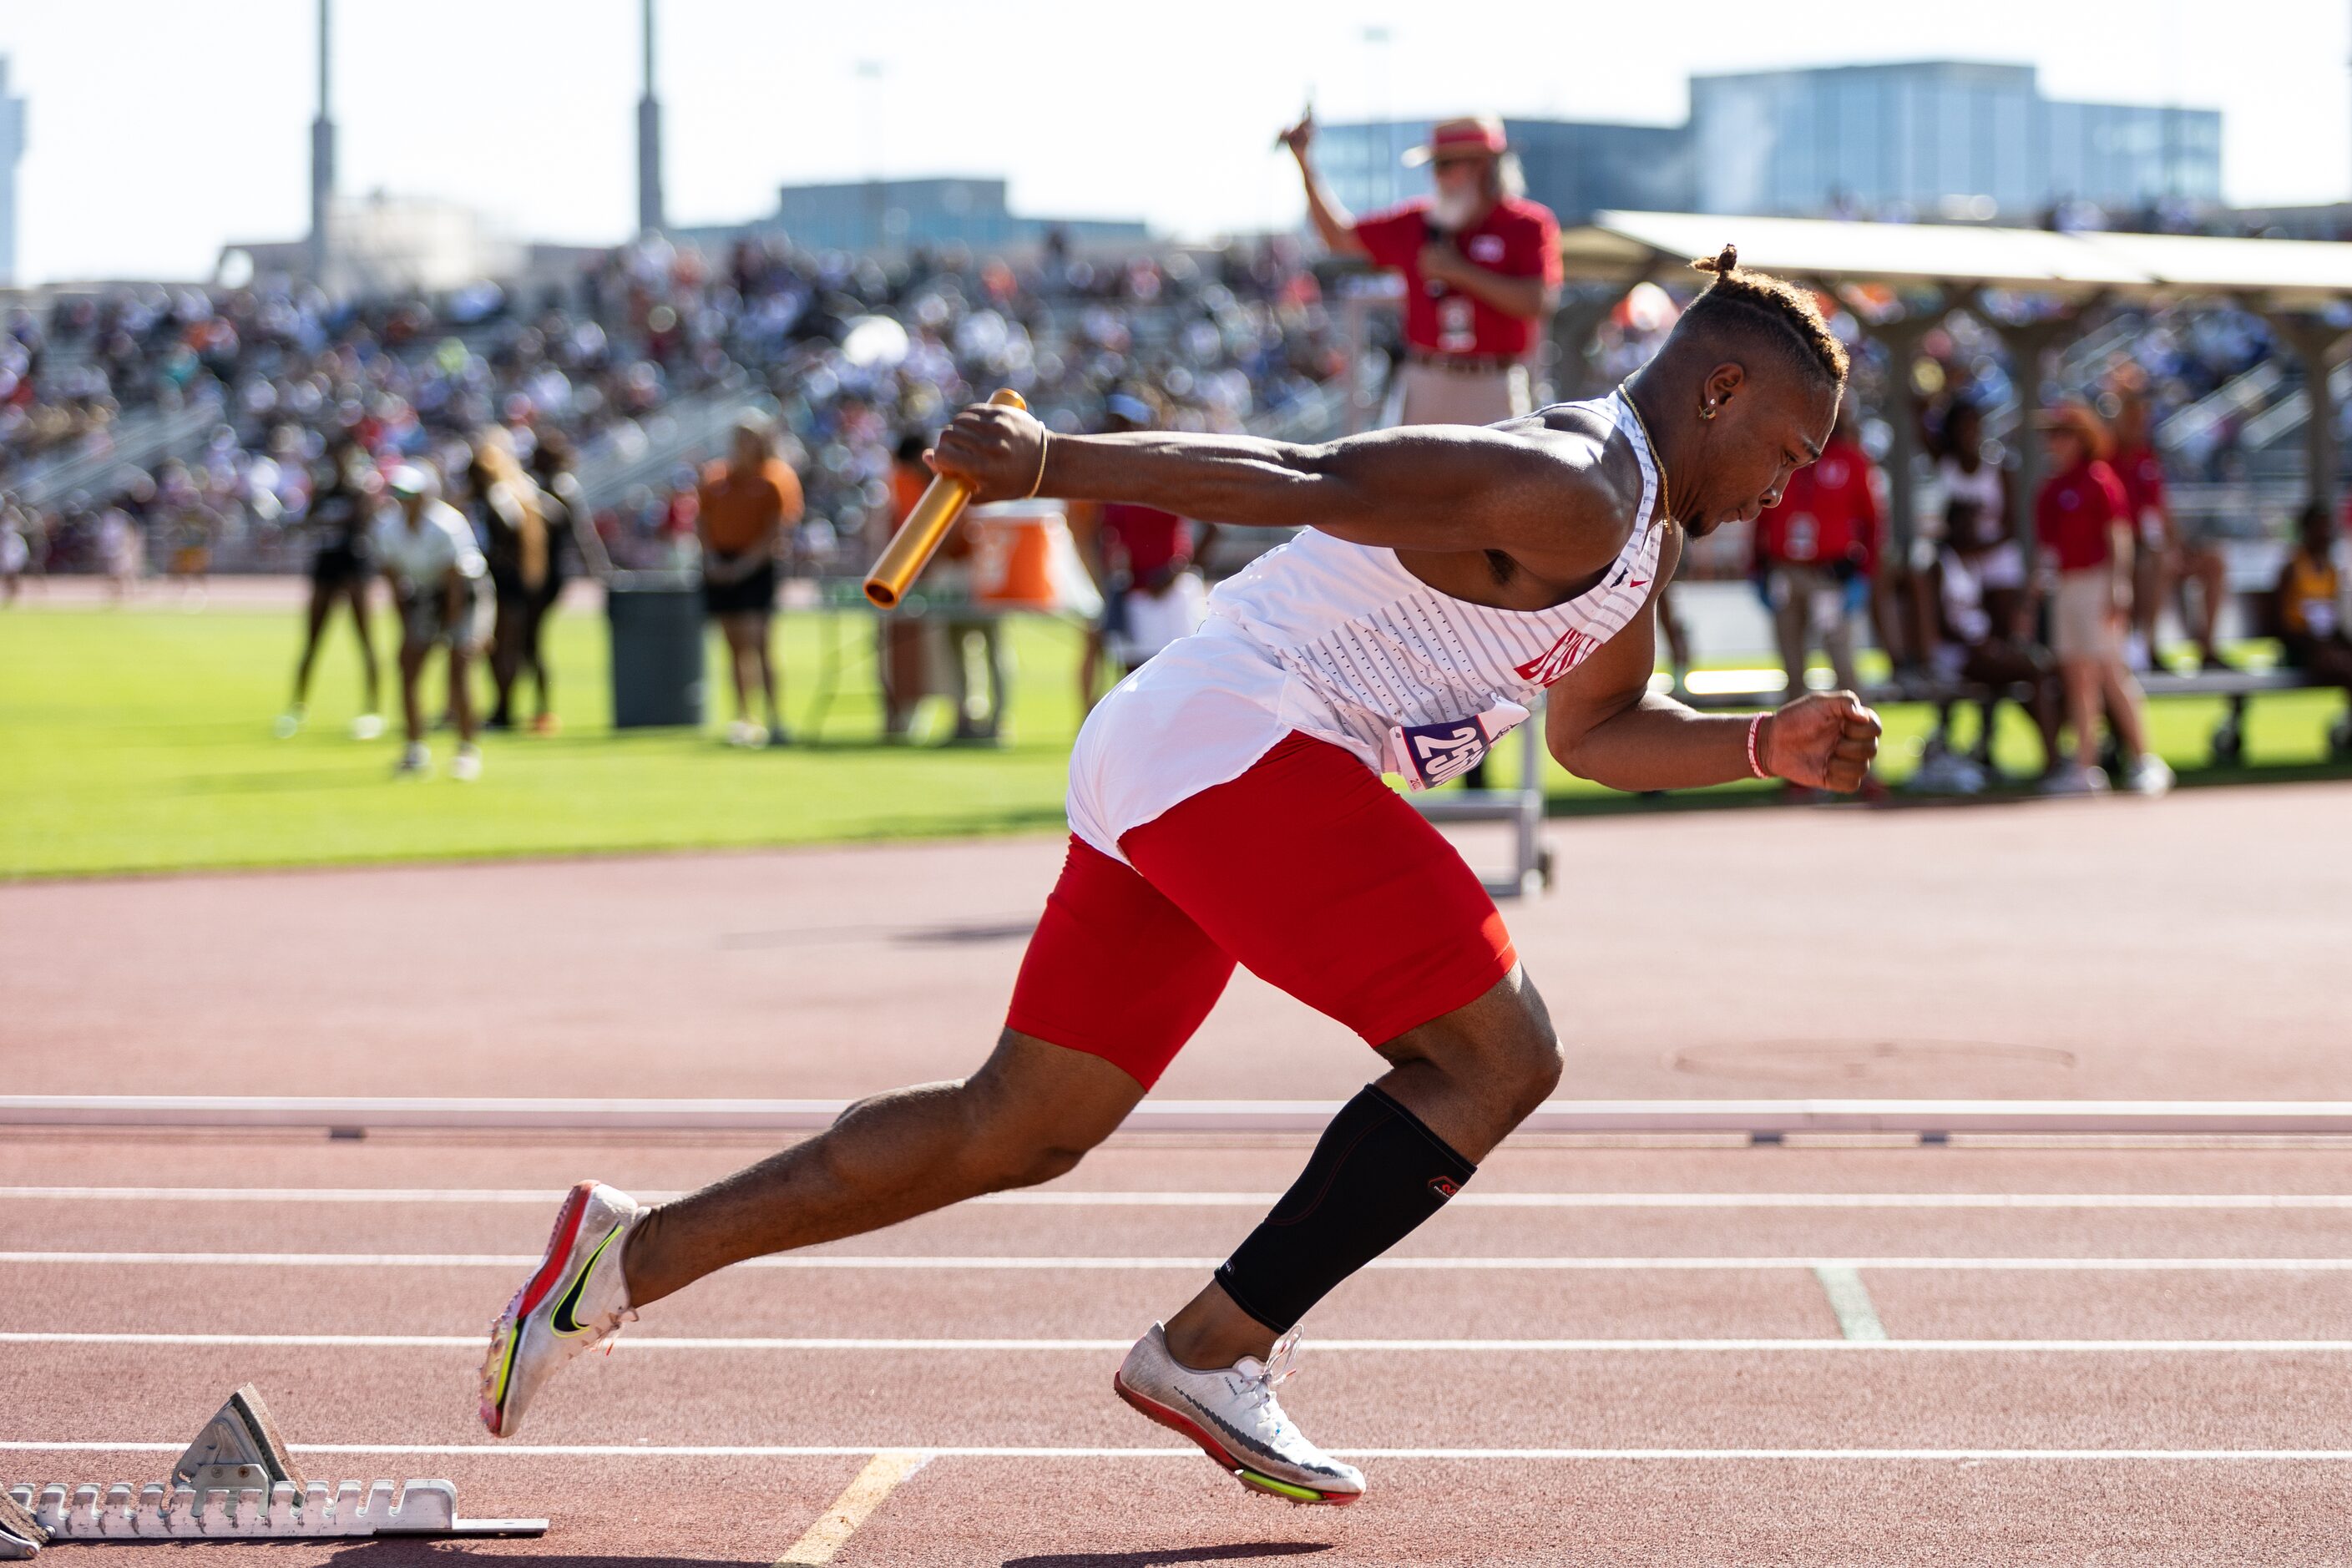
1164 1557
390 1552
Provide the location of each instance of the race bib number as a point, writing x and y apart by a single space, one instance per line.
1427 755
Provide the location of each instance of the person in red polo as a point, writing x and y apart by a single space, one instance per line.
1817 553
1481 268
2083 520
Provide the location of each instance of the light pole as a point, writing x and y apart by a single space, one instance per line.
322 163
649 173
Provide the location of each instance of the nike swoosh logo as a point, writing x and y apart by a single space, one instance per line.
1247 1442
562 1319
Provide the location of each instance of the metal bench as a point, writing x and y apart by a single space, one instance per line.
2236 687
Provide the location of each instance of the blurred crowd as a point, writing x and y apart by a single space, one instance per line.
852 351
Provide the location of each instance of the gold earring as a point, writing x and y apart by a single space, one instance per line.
1708 412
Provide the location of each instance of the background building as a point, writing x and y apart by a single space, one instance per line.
1928 137
390 244
892 214
1574 167
1938 138
12 147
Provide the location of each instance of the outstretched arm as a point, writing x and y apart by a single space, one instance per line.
1605 723
1429 488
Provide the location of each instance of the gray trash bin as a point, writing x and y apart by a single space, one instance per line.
656 621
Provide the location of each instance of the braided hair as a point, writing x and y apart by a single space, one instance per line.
1768 311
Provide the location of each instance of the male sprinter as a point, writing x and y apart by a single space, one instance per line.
1227 806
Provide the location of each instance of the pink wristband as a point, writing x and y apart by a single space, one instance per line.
1756 763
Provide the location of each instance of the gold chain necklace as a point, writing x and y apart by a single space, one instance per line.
1657 458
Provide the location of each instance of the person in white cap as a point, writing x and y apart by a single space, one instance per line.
1481 268
428 555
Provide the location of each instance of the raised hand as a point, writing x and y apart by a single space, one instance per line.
1300 137
1824 741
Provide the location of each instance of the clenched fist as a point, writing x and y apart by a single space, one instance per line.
1823 741
995 449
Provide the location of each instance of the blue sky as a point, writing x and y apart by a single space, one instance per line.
161 128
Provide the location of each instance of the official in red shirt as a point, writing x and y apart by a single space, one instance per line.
1481 268
2083 520
1816 552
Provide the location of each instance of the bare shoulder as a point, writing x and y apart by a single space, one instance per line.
1591 492
1586 442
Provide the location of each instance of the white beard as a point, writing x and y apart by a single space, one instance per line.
1453 209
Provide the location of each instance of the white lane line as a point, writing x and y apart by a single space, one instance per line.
1437 1264
954 1451
874 1483
1049 1198
640 1343
1857 1316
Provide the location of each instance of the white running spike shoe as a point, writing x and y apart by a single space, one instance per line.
1233 1414
576 1300
2148 774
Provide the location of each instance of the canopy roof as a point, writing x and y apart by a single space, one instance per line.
2284 274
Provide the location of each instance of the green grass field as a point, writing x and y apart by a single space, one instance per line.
139 741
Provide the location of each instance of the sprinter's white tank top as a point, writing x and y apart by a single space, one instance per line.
1340 642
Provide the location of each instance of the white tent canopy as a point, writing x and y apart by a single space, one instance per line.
2303 285
1618 244
2271 274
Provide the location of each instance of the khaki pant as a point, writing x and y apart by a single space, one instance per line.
1426 394
1809 601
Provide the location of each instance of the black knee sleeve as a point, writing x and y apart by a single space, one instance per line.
1377 1173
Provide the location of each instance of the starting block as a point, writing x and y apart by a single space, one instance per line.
238 1481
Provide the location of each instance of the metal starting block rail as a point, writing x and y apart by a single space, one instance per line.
1763 1120
237 1482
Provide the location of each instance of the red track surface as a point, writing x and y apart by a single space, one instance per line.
1729 953
2211 976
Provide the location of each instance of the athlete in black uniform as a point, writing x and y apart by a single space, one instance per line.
342 504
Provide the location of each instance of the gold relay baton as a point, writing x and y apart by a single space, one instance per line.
917 539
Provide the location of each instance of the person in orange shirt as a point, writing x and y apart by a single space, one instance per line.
931 649
746 502
905 663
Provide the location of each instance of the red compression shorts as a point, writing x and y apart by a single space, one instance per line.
1308 869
